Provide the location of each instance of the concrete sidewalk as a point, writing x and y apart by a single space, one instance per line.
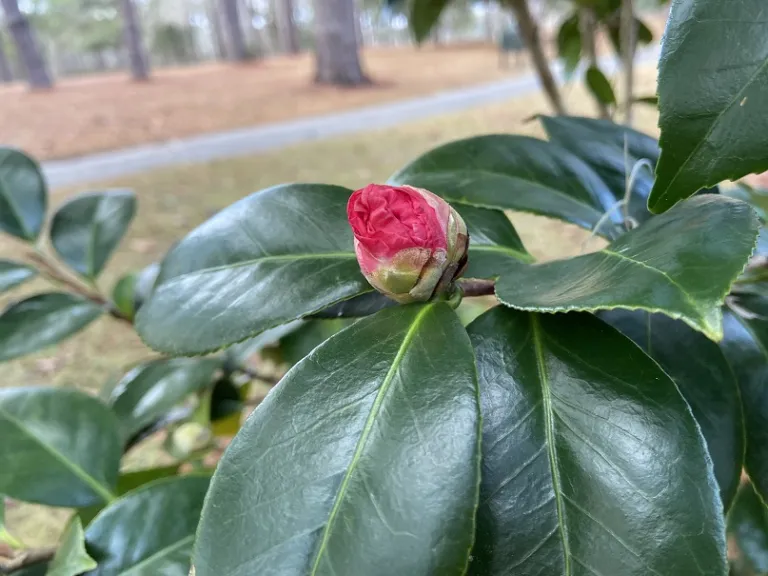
246 141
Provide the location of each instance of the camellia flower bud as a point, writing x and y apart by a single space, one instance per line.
409 242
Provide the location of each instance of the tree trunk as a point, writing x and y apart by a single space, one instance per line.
337 60
287 34
530 31
588 28
218 34
27 47
134 45
628 33
358 26
6 74
236 49
489 21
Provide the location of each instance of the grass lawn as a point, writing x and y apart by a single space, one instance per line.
109 111
173 201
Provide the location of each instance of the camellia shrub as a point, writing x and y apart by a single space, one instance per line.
453 406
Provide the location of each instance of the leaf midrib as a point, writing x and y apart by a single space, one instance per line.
517 254
81 474
159 554
367 428
549 430
715 123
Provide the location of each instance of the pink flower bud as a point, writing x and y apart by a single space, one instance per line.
409 242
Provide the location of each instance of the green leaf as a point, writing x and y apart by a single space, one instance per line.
613 23
601 143
746 347
494 245
650 100
357 307
124 294
381 422
748 531
60 447
38 569
43 320
87 229
592 462
711 97
706 381
599 86
681 264
14 273
569 43
125 483
239 354
145 284
424 16
23 195
270 258
71 559
312 333
159 522
513 173
150 390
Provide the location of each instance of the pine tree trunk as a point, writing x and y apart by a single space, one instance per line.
27 47
337 59
134 44
236 49
530 31
6 74
218 32
287 34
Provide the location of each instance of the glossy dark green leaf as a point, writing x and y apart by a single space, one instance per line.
644 33
357 307
704 378
150 390
381 424
599 86
601 144
272 257
60 447
494 245
592 462
14 273
38 569
129 481
748 532
43 320
650 100
150 530
681 264
569 43
424 16
745 344
239 354
87 229
713 80
71 559
299 343
124 295
23 195
513 173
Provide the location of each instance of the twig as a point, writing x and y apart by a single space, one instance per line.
256 375
56 275
472 287
26 558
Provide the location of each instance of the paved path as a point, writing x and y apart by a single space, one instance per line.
246 141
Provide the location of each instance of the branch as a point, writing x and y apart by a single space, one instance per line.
26 558
472 288
530 31
57 276
256 375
